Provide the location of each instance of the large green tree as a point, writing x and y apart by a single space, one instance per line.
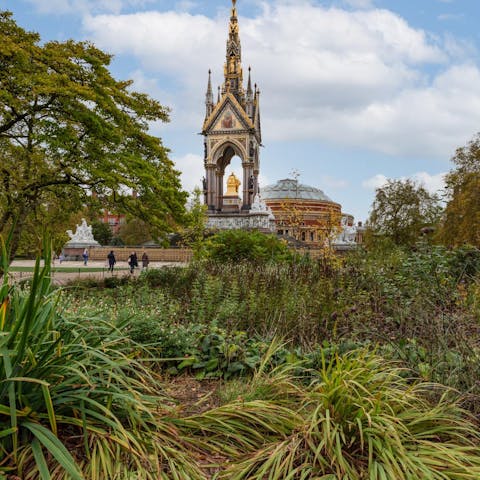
461 223
69 130
135 232
401 209
102 232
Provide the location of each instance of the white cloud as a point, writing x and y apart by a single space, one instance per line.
375 182
354 78
459 48
433 183
186 5
191 166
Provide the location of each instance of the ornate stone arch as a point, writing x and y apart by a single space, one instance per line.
221 149
219 158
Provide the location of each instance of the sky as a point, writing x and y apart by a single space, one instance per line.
353 92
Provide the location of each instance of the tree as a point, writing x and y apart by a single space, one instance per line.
135 232
302 221
461 222
68 130
102 232
401 209
195 224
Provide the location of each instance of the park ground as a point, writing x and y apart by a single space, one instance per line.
65 272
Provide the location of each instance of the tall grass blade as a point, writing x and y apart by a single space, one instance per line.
50 409
40 459
56 448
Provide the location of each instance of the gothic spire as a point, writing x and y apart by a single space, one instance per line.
249 97
209 95
233 64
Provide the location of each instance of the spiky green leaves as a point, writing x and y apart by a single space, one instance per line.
359 419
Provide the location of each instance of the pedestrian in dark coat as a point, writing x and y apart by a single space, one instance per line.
111 261
145 260
133 261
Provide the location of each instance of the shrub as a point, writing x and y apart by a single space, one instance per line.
167 339
176 280
465 262
115 282
240 245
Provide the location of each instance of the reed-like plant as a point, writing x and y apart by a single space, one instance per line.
74 402
359 419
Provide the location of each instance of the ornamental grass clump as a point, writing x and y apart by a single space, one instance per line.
74 403
359 419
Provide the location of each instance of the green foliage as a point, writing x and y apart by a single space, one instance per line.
240 245
319 406
102 232
135 232
166 340
72 382
401 209
428 298
116 242
175 280
461 223
205 351
196 219
115 282
218 354
359 418
68 128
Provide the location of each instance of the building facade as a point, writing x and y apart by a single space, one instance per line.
303 212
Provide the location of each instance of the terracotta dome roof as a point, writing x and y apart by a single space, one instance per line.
289 188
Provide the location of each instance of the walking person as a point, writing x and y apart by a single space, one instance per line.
133 261
85 256
111 261
145 261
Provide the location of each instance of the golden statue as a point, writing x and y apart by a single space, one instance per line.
232 185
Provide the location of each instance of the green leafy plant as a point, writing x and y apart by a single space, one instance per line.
73 401
239 245
218 354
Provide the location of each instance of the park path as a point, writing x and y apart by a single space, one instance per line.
81 271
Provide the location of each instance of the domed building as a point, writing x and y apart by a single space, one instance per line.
304 212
